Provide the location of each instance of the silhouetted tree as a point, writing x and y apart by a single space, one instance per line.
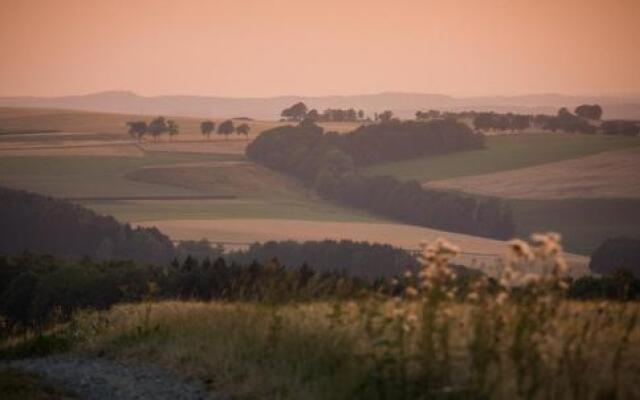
207 128
361 114
226 128
587 111
296 112
137 129
173 128
157 127
313 115
243 129
385 116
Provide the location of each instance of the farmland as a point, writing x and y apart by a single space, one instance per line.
193 188
503 153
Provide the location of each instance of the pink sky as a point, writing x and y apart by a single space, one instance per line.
277 47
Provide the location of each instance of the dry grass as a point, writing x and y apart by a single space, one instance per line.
480 252
607 175
515 338
326 350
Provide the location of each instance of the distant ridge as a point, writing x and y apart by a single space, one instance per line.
402 104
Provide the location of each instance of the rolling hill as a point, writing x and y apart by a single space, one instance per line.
402 104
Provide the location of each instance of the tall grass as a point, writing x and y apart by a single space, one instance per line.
519 339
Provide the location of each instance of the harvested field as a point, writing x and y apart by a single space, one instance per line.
480 252
613 174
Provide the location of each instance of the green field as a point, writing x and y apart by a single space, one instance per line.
260 193
252 208
503 153
82 176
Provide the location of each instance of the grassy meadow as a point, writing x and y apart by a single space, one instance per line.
504 153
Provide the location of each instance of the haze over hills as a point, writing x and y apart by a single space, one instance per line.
402 104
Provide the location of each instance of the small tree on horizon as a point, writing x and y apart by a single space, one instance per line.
137 129
593 112
157 127
385 116
296 112
226 128
173 128
243 129
207 128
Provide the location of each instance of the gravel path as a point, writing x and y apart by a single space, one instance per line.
99 379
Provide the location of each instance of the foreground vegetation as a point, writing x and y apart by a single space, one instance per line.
519 338
276 332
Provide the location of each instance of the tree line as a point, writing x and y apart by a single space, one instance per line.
156 128
586 119
300 111
36 290
44 224
329 162
225 128
160 126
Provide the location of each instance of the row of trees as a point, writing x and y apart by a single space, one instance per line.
47 225
300 111
329 162
38 289
156 128
586 118
225 128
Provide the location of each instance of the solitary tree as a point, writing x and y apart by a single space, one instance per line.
361 114
296 112
385 116
243 129
207 128
589 111
226 128
157 127
137 129
313 115
173 128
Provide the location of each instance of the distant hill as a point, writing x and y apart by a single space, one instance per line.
402 104
29 221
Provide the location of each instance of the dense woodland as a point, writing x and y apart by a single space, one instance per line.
43 224
615 254
329 162
37 289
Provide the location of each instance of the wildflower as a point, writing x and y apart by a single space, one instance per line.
501 298
411 291
520 249
447 247
473 296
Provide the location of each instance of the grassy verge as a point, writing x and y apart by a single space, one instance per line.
503 153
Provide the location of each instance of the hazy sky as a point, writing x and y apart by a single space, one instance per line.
276 47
